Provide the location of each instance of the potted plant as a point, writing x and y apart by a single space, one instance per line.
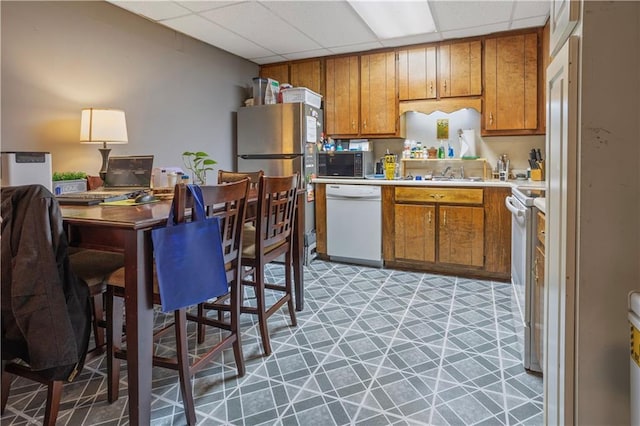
65 182
198 163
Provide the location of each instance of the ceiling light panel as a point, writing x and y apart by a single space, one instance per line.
392 19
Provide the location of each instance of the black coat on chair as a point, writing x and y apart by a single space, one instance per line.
46 313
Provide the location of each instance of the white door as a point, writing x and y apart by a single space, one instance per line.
560 259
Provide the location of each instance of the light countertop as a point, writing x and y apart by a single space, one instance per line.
541 204
402 182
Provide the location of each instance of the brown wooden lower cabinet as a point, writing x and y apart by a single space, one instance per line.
451 230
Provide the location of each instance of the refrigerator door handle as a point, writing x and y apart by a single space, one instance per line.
269 156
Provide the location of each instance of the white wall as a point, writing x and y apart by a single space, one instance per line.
59 57
608 248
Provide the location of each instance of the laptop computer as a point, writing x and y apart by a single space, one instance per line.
126 177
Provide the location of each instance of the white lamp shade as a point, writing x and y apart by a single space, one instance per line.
103 126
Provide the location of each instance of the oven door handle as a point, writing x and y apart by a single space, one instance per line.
518 214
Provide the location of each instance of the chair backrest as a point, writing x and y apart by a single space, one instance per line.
228 202
276 210
225 176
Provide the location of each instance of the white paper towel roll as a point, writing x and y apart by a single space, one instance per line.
469 137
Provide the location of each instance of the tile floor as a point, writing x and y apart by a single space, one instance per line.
372 347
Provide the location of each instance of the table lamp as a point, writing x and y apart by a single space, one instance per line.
103 126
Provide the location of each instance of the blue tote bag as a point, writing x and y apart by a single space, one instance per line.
189 259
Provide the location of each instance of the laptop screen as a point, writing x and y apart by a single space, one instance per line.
129 172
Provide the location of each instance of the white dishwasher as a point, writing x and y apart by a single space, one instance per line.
354 224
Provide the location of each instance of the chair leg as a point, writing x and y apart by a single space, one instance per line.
54 394
98 312
262 315
201 329
287 283
115 311
183 366
234 316
7 378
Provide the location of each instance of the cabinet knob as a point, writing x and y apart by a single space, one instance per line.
445 86
429 219
444 218
364 124
431 87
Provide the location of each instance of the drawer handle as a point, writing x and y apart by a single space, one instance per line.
541 232
445 86
436 196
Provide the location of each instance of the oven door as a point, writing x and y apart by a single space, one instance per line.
521 276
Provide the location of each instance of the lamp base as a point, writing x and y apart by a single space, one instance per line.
105 160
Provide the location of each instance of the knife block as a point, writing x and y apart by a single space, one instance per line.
537 175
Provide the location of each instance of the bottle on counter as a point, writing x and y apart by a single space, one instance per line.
441 152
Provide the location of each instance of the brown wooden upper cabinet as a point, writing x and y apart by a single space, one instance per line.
342 103
299 74
460 66
278 72
511 84
307 74
417 73
378 96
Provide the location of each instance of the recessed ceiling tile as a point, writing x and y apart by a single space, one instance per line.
268 59
356 47
256 23
405 41
527 8
307 54
201 6
211 33
476 31
457 15
329 23
538 21
155 10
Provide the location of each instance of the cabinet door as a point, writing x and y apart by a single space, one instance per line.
378 100
417 73
461 235
460 66
511 83
415 232
278 72
342 105
307 74
538 307
563 17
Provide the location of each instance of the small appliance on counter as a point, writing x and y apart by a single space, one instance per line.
345 164
26 168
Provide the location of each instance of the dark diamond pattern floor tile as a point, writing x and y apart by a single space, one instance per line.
372 347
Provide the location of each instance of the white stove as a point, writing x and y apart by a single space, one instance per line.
523 232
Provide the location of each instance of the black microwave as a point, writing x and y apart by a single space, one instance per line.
345 164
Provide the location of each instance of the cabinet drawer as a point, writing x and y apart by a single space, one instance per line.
439 195
541 228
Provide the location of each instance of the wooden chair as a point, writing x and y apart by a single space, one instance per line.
271 238
229 203
91 266
228 177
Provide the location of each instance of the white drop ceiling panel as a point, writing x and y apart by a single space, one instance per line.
274 31
253 21
209 32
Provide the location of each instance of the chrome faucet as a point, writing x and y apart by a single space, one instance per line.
444 172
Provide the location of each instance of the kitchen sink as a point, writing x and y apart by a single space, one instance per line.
454 179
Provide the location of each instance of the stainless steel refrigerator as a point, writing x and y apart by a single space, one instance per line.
282 139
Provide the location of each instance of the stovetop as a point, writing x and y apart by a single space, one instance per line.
527 195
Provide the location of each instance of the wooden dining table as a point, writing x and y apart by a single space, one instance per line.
127 229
